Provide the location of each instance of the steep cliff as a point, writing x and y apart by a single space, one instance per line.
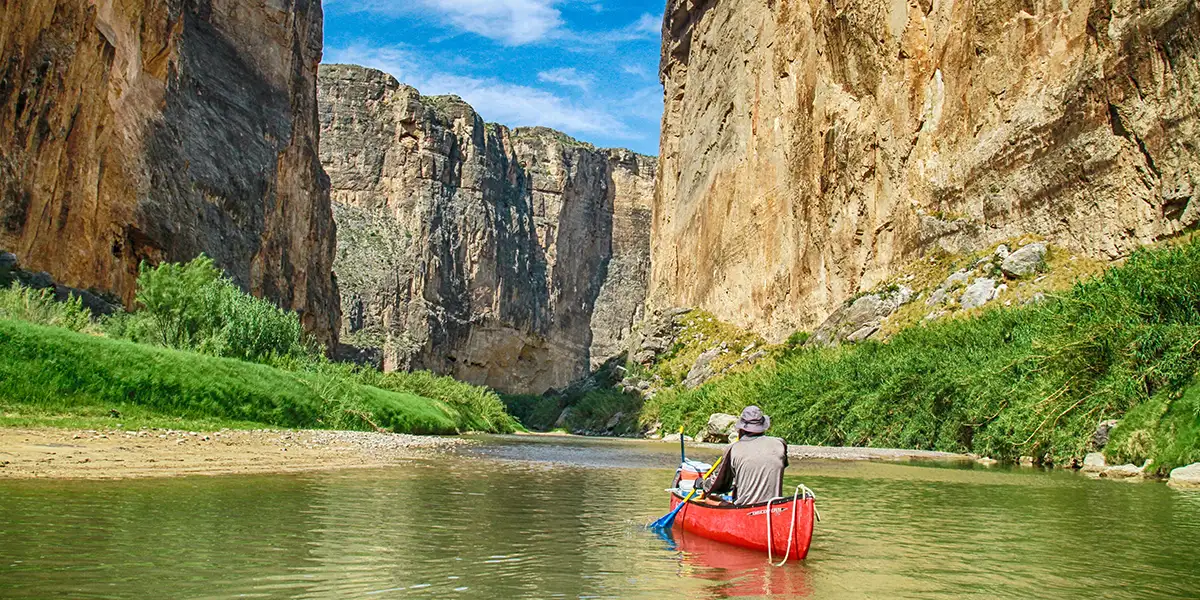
809 149
516 258
158 130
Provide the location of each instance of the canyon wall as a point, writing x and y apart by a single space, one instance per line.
810 148
156 130
515 258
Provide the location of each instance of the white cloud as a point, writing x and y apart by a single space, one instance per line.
567 77
646 27
512 22
632 69
502 102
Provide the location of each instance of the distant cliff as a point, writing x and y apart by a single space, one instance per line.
810 149
160 130
516 258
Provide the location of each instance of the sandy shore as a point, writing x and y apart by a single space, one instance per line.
116 454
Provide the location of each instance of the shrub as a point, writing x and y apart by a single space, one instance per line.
40 306
194 307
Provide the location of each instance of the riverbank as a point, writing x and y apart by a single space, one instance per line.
120 454
1027 383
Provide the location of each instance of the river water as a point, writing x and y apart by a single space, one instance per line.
562 518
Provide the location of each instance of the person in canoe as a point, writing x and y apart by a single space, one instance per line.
751 470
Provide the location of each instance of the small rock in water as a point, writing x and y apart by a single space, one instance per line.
1094 463
1186 477
1124 472
1025 461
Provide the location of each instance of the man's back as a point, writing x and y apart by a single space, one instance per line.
753 469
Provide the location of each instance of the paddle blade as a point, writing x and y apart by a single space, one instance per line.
668 520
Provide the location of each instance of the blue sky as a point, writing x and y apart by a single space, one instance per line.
586 67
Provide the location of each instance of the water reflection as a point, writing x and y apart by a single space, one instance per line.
734 572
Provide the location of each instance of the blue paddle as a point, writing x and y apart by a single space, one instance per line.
667 520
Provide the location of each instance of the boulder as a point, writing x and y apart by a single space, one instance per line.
1124 472
1094 463
1100 436
701 370
1186 477
1026 261
40 281
860 319
8 261
1002 252
958 279
937 297
719 430
979 293
674 437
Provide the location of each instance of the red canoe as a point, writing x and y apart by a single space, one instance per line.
746 526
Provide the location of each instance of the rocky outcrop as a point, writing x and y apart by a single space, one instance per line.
156 131
515 258
810 149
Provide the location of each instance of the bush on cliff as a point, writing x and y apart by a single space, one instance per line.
193 306
1026 381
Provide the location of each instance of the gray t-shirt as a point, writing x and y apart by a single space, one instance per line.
752 469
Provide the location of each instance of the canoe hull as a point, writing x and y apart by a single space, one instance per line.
746 526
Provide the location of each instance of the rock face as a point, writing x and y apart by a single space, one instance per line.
809 149
512 258
156 131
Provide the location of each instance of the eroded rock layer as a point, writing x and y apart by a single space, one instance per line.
157 130
809 148
516 258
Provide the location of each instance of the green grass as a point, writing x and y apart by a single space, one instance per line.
48 372
1010 382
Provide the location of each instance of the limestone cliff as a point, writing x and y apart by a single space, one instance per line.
811 148
516 258
160 129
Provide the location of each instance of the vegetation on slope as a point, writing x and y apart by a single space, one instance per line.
1014 381
201 350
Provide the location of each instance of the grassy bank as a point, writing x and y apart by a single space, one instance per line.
46 370
1010 382
202 354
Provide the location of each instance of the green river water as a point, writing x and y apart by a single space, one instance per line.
562 518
